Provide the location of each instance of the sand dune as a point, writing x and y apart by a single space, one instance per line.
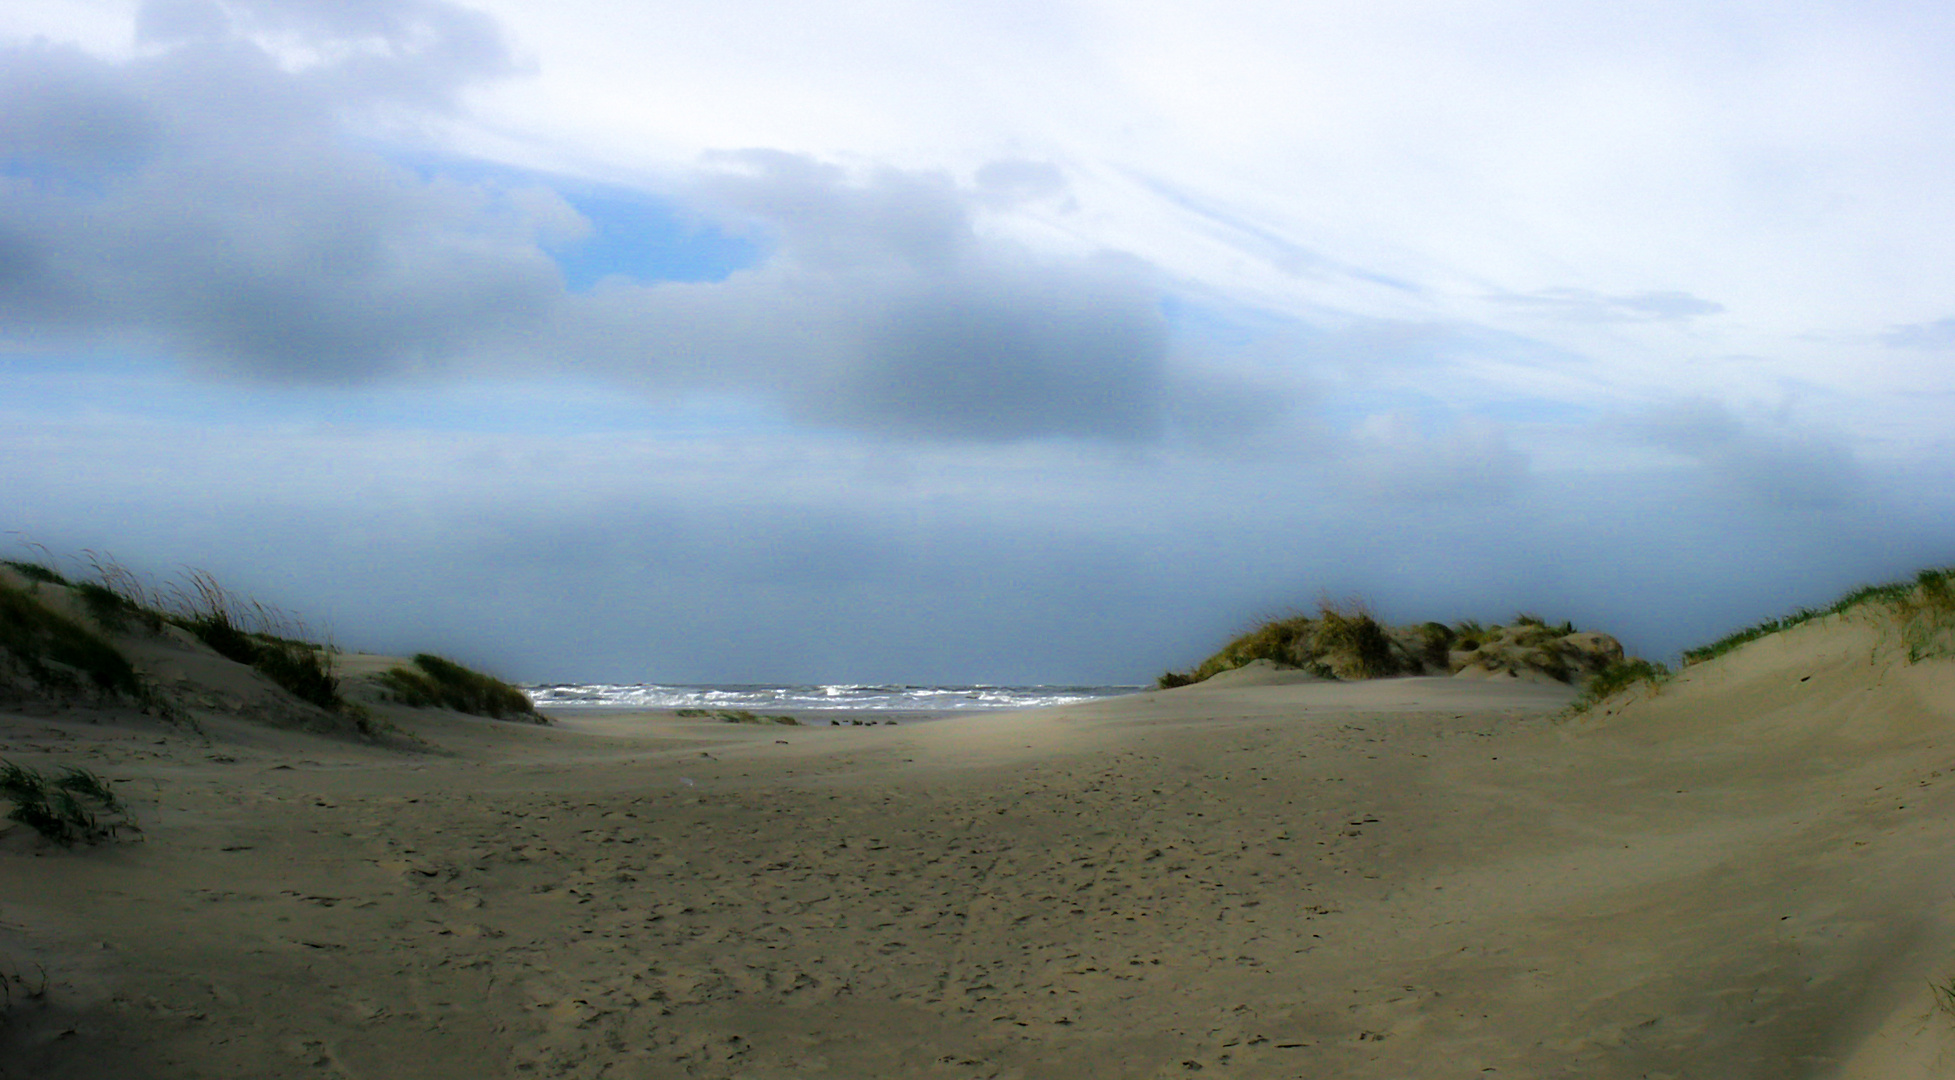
1744 874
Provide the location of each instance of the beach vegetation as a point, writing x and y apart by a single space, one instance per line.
738 716
35 572
1344 640
275 645
76 805
1286 641
1944 994
1924 605
436 682
105 605
1928 616
1618 677
58 653
1352 642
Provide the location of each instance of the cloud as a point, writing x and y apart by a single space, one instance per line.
1395 456
1936 335
884 308
1769 460
206 198
412 52
1585 305
213 197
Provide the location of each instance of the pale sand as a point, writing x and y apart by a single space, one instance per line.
1749 875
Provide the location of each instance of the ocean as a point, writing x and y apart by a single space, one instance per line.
838 698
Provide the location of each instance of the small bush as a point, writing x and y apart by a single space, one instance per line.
1356 639
436 682
77 805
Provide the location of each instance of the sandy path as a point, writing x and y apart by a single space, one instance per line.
1421 878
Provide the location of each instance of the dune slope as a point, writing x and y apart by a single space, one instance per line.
1744 873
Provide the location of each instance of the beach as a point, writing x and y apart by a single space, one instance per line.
1743 874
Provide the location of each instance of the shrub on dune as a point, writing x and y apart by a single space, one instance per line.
434 682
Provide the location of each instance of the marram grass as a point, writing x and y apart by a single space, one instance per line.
76 806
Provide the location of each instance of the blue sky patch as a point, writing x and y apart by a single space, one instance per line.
647 241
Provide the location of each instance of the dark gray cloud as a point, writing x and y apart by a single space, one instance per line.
216 197
1584 305
1766 459
884 308
206 195
734 557
63 110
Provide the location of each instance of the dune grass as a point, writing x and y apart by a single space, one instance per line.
1616 678
1349 631
435 682
741 716
76 806
275 645
35 572
1344 640
52 648
1925 605
58 653
1928 616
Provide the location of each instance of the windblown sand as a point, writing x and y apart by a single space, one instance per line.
1749 874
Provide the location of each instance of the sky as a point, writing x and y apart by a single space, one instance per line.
1011 343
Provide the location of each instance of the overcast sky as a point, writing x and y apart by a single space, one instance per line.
1013 342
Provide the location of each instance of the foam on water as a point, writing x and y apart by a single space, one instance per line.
838 696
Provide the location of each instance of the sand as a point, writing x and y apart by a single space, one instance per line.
1747 874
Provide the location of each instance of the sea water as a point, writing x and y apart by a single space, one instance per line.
839 697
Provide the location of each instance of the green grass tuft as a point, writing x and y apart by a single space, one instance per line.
1944 994
75 806
434 682
1617 677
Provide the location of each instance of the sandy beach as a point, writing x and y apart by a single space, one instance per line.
1743 874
